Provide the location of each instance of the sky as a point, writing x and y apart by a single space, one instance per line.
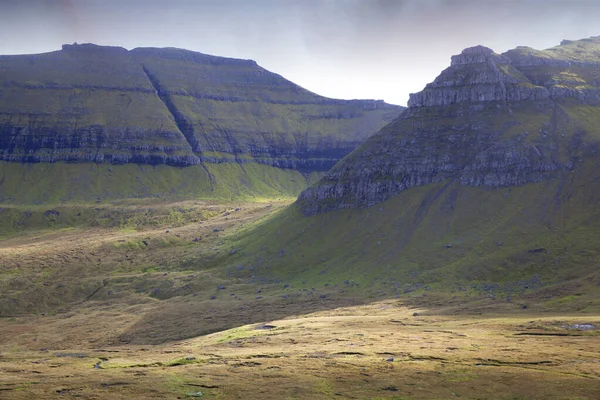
365 49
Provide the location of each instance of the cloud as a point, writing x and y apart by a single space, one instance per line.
344 48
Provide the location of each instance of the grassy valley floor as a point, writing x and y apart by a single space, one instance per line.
375 351
150 299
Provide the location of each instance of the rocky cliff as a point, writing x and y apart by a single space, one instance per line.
488 120
88 103
476 75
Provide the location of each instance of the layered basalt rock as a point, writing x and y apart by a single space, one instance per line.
478 74
571 70
488 120
89 103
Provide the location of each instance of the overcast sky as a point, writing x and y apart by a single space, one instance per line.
377 49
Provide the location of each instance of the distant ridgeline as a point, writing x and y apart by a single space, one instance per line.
150 106
487 120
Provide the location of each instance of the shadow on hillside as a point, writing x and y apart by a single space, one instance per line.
442 249
184 317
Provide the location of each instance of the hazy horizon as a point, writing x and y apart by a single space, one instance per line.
370 49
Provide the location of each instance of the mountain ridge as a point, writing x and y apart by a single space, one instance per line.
169 89
89 122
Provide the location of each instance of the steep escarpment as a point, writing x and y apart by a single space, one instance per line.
488 120
235 111
89 103
85 104
476 75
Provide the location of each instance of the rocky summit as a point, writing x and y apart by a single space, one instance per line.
478 74
488 120
99 104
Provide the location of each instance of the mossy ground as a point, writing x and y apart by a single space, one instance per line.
252 299
59 183
375 351
500 245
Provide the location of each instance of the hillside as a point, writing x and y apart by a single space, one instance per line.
488 120
486 189
166 107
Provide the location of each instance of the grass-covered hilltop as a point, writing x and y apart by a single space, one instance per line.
453 254
92 121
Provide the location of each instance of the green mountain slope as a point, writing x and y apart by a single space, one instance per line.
488 120
247 114
443 243
60 182
487 187
153 107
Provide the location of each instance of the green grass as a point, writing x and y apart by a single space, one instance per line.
452 240
128 218
239 333
59 183
183 361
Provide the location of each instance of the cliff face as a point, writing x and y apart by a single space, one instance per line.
488 120
477 75
84 103
89 103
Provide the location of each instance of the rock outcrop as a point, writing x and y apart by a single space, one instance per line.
478 74
487 120
88 103
571 70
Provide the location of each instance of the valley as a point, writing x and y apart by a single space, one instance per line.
180 225
375 351
142 307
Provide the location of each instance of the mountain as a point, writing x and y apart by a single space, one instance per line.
152 108
488 186
489 120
